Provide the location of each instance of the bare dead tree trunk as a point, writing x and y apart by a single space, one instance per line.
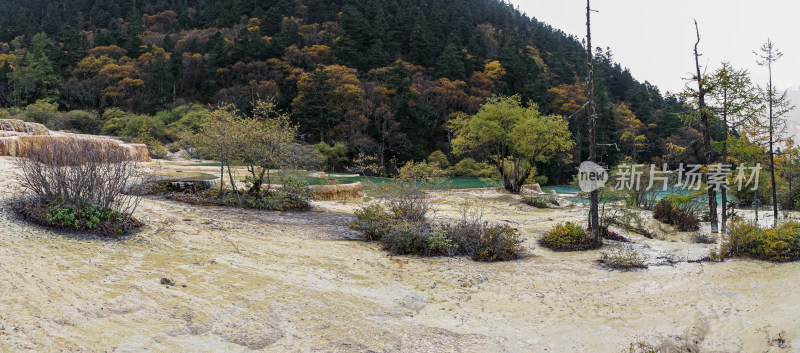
771 151
724 191
594 217
701 105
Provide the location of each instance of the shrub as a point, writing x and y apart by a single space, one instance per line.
623 258
666 211
372 220
568 237
498 242
157 149
417 171
468 167
42 112
174 147
297 190
82 185
438 159
82 121
190 120
440 243
481 240
335 155
293 198
407 238
540 201
468 236
82 171
703 238
781 243
70 215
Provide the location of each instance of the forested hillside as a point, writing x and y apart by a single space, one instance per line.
383 77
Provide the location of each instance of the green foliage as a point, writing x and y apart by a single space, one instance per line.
297 190
42 112
438 159
125 124
568 237
540 201
407 238
780 243
372 220
403 235
468 167
157 149
484 241
416 171
82 121
185 119
512 137
335 155
334 60
77 215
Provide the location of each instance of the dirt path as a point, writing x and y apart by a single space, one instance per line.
296 282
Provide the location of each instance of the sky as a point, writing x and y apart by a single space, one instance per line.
655 39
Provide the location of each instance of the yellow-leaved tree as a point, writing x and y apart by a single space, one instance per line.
513 138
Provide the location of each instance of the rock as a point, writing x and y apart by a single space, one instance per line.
531 189
167 281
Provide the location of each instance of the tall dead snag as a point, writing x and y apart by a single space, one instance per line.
594 218
778 106
704 118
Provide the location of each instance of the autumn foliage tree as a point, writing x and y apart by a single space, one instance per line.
512 137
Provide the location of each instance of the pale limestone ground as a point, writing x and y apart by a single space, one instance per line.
291 282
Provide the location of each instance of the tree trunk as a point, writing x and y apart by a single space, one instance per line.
221 176
233 185
594 217
755 202
701 98
724 191
772 152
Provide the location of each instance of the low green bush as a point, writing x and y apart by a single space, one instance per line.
273 200
569 237
401 234
498 242
373 221
484 241
77 215
157 150
407 238
781 243
540 201
668 212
